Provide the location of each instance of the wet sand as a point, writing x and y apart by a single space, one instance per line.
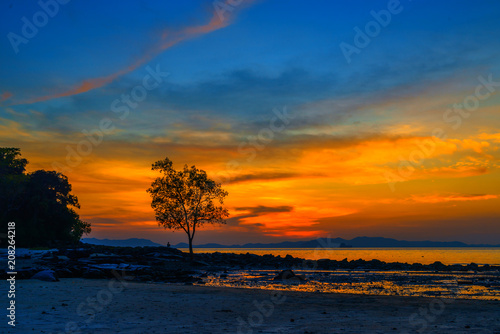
106 306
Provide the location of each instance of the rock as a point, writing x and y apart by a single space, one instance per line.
78 253
324 263
101 255
438 266
285 274
65 273
46 275
86 261
94 273
47 255
199 263
165 256
288 275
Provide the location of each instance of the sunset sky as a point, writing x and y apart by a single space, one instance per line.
318 119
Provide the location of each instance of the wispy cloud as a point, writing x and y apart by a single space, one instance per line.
452 198
256 211
261 209
5 96
264 176
167 39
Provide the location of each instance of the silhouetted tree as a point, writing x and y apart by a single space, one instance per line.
40 203
185 199
12 181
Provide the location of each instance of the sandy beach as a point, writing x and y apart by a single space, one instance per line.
112 306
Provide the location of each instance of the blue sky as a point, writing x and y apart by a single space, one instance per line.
425 42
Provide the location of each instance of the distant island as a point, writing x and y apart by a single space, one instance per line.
132 242
359 242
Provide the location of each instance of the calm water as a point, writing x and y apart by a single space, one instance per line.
411 255
463 285
468 285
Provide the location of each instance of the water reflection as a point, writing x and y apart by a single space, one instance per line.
468 285
478 255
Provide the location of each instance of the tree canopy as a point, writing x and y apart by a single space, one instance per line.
186 199
40 203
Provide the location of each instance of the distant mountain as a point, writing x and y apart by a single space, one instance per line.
133 242
360 242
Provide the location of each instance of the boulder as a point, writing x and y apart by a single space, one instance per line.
46 275
438 266
287 275
94 273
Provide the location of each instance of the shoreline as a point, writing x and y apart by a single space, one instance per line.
104 306
169 265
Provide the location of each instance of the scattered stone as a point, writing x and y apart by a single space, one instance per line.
46 275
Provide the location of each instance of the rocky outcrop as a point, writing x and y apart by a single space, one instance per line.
166 264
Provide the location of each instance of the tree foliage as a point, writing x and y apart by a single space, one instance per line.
40 203
186 199
12 181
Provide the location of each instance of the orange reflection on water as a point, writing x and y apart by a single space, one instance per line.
484 286
478 255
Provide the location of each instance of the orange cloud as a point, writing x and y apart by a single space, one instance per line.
451 198
490 136
476 146
456 170
5 96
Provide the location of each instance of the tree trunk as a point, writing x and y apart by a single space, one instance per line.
190 248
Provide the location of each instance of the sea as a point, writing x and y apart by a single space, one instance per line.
484 285
478 255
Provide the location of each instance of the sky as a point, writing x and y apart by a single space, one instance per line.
320 118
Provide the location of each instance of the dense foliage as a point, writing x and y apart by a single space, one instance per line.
40 203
